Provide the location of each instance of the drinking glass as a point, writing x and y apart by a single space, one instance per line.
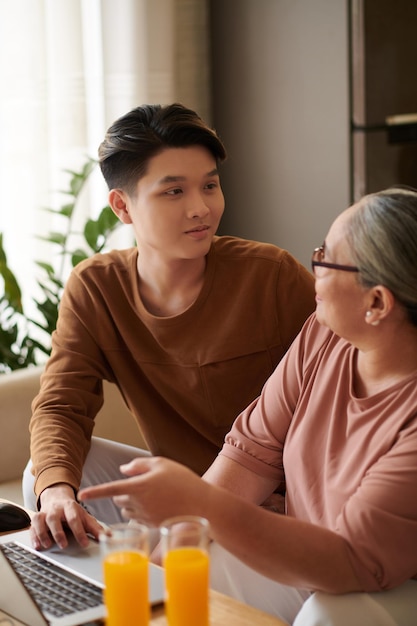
125 551
185 547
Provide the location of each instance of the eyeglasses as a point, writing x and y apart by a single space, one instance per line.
317 261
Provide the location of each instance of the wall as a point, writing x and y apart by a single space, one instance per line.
281 104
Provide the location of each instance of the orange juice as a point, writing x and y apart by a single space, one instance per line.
126 589
187 586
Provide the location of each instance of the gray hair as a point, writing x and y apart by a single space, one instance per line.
382 236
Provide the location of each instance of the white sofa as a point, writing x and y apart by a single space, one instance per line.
17 390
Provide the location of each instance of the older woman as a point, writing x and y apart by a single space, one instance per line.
338 421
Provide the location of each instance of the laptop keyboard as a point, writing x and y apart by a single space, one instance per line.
54 590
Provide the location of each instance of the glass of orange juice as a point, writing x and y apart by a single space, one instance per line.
185 546
125 551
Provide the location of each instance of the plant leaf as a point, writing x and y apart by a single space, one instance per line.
78 256
12 290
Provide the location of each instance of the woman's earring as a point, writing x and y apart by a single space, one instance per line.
368 314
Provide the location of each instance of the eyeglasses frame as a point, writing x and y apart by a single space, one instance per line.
331 266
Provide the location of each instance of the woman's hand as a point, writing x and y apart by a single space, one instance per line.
155 489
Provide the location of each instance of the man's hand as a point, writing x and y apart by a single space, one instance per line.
60 511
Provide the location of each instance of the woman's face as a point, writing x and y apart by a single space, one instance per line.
340 300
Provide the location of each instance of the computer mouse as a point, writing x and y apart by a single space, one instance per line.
12 517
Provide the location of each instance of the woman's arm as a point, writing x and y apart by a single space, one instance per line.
287 550
237 479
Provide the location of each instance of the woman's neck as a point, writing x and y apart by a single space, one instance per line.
392 359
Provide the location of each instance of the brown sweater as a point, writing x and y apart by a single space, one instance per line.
184 378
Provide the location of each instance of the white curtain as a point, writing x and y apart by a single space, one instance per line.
68 69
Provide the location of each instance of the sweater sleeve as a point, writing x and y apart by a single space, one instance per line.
71 393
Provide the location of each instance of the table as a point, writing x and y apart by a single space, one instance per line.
224 611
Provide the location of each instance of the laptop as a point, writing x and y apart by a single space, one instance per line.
73 580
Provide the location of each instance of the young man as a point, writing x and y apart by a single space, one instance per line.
188 325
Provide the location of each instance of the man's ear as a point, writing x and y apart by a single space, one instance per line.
118 200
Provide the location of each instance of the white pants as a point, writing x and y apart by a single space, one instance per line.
232 577
397 607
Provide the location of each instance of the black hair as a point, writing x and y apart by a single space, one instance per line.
136 137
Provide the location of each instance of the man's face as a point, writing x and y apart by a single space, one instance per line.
178 204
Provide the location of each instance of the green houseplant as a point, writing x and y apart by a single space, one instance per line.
25 341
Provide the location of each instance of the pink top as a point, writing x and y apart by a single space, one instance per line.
350 463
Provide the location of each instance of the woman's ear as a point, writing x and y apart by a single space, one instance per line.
381 304
119 200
